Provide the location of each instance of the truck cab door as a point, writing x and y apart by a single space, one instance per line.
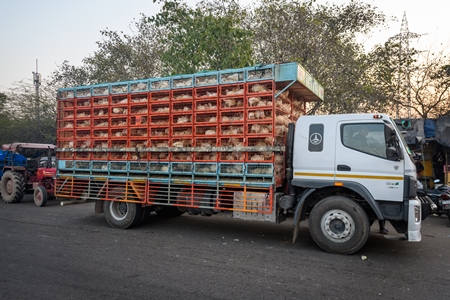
364 159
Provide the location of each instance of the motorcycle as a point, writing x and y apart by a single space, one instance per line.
445 199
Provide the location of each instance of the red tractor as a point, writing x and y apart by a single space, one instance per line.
26 168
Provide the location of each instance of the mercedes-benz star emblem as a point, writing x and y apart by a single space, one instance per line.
315 138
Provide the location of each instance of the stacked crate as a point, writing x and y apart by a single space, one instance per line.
214 128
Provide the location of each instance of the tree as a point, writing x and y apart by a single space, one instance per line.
29 118
322 39
208 37
430 86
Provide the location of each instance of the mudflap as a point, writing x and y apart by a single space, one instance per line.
298 215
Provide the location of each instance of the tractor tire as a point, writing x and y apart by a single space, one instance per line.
12 187
339 225
40 196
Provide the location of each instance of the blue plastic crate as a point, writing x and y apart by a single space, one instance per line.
231 169
118 166
100 166
181 168
67 93
139 86
182 82
231 76
158 84
206 79
138 167
82 165
100 90
65 165
119 88
206 169
159 168
83 92
260 73
259 170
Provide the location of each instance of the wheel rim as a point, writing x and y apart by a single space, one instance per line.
38 197
118 210
9 187
338 226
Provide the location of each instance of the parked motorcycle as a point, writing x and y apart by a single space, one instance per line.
445 199
440 197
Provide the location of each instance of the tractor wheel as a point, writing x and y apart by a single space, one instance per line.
12 187
339 225
40 196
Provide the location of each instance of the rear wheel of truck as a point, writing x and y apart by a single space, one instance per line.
40 196
12 187
122 215
339 225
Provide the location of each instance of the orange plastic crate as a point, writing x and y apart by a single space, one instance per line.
182 94
206 92
232 102
160 96
260 87
205 105
231 90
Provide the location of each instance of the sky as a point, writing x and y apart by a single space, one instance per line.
47 32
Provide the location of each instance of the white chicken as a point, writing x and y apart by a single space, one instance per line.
259 88
229 102
253 101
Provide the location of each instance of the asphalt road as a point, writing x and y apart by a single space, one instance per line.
68 252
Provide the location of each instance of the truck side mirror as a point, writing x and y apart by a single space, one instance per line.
393 151
392 154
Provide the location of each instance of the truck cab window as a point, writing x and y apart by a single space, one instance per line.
367 138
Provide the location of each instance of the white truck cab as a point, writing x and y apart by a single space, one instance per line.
348 171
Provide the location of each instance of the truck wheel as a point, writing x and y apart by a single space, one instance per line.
339 225
40 196
12 187
122 215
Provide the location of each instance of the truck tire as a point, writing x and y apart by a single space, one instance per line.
339 225
122 215
40 196
12 187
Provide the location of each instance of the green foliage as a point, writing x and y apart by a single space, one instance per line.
24 117
209 37
323 40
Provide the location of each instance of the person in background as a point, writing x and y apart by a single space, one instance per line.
438 165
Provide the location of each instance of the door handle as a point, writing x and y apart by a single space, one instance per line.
343 168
